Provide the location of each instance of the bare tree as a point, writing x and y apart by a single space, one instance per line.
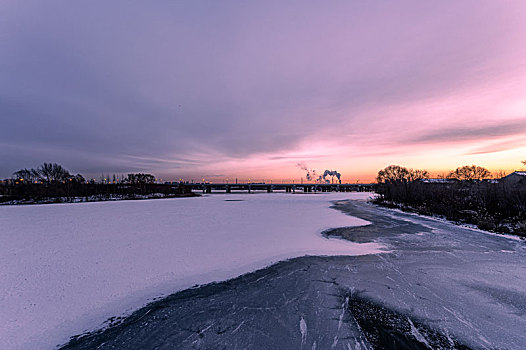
396 173
140 179
26 175
53 172
393 173
46 171
418 174
469 172
79 178
499 174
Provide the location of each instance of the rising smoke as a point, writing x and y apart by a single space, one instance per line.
311 174
329 173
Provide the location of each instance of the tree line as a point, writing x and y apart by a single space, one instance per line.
465 195
51 182
53 172
464 173
47 172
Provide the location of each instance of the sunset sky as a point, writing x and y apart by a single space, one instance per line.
225 89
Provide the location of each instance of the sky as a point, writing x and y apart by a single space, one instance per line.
220 90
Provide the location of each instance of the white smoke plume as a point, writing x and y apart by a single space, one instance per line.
311 173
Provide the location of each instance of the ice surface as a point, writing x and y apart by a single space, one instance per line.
67 268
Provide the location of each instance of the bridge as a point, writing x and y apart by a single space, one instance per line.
289 187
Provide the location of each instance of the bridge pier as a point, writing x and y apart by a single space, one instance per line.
269 189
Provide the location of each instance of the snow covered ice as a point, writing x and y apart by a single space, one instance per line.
66 268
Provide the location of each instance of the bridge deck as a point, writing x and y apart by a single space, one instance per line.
289 187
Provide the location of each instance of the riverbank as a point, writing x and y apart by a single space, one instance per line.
97 198
515 226
496 206
14 192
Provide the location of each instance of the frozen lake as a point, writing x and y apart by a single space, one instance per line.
67 268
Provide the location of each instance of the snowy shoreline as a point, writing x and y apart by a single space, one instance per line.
465 225
91 199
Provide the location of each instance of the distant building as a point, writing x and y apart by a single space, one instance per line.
514 178
438 181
